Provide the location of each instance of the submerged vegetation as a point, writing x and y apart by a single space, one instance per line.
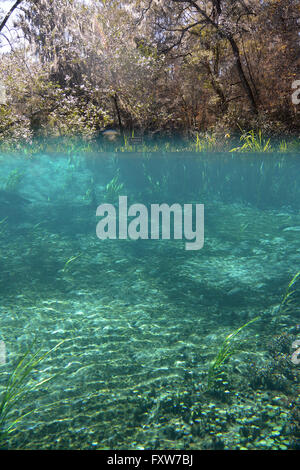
291 299
252 142
226 350
255 143
153 358
19 384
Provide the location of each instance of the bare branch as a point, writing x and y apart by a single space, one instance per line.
9 13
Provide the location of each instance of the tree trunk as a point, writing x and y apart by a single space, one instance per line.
242 75
115 99
216 87
226 35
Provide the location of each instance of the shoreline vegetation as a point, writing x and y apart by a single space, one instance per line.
211 143
189 76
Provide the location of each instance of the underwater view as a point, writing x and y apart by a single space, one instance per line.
150 338
150 228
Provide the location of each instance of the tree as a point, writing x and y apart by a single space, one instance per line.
173 23
154 65
9 13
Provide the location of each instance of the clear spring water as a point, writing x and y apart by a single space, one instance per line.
142 320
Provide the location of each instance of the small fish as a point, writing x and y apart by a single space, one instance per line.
292 229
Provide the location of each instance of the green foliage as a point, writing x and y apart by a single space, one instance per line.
13 129
283 147
129 147
290 300
66 79
206 143
19 383
87 144
113 189
225 352
66 267
290 146
253 143
13 180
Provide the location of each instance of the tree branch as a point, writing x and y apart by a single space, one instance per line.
7 16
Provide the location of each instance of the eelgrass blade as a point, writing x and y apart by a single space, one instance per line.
18 386
224 353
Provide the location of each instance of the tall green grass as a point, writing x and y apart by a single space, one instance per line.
250 141
253 142
225 352
291 297
19 384
206 143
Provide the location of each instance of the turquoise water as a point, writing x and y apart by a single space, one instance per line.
143 320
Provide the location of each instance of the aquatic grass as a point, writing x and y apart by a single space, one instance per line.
67 263
17 386
283 147
225 352
126 147
290 146
2 228
76 147
13 180
253 143
204 144
113 189
137 144
289 298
